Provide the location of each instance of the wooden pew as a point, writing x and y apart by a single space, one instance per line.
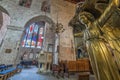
9 71
81 67
3 67
65 68
4 75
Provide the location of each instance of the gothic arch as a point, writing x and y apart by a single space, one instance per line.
37 19
41 18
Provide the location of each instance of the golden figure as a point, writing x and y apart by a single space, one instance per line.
102 38
109 24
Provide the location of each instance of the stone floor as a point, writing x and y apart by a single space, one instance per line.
31 74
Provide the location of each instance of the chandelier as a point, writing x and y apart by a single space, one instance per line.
59 28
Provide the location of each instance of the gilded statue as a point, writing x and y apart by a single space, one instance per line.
102 37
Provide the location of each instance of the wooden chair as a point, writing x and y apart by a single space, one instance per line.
55 69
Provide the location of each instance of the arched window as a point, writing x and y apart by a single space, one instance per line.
34 35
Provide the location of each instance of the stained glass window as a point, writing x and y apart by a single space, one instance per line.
34 35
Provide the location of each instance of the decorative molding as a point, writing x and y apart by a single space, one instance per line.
16 28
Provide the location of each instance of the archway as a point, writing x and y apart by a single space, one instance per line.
33 40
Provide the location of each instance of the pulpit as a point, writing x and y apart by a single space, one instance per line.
44 61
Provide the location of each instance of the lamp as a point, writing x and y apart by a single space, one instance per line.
59 26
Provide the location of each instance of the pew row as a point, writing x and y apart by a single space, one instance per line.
65 68
8 72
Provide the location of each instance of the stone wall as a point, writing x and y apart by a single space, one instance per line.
10 42
65 12
20 15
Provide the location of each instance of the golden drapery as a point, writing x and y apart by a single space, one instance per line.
102 38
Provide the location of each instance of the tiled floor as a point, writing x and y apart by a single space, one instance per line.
31 74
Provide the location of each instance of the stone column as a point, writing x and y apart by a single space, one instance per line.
55 54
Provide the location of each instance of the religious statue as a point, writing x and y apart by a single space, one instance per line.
102 37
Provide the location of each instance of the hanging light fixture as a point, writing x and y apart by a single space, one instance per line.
59 26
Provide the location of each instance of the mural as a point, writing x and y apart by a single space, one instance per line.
34 35
25 3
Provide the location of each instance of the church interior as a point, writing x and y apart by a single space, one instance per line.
59 40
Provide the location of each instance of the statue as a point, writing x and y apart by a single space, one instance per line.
102 38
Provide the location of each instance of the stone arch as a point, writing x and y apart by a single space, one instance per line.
4 21
4 10
36 19
41 18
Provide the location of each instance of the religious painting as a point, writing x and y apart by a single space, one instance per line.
25 3
34 35
45 6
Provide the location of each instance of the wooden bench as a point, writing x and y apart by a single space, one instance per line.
81 66
55 69
4 75
9 71
65 68
3 67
